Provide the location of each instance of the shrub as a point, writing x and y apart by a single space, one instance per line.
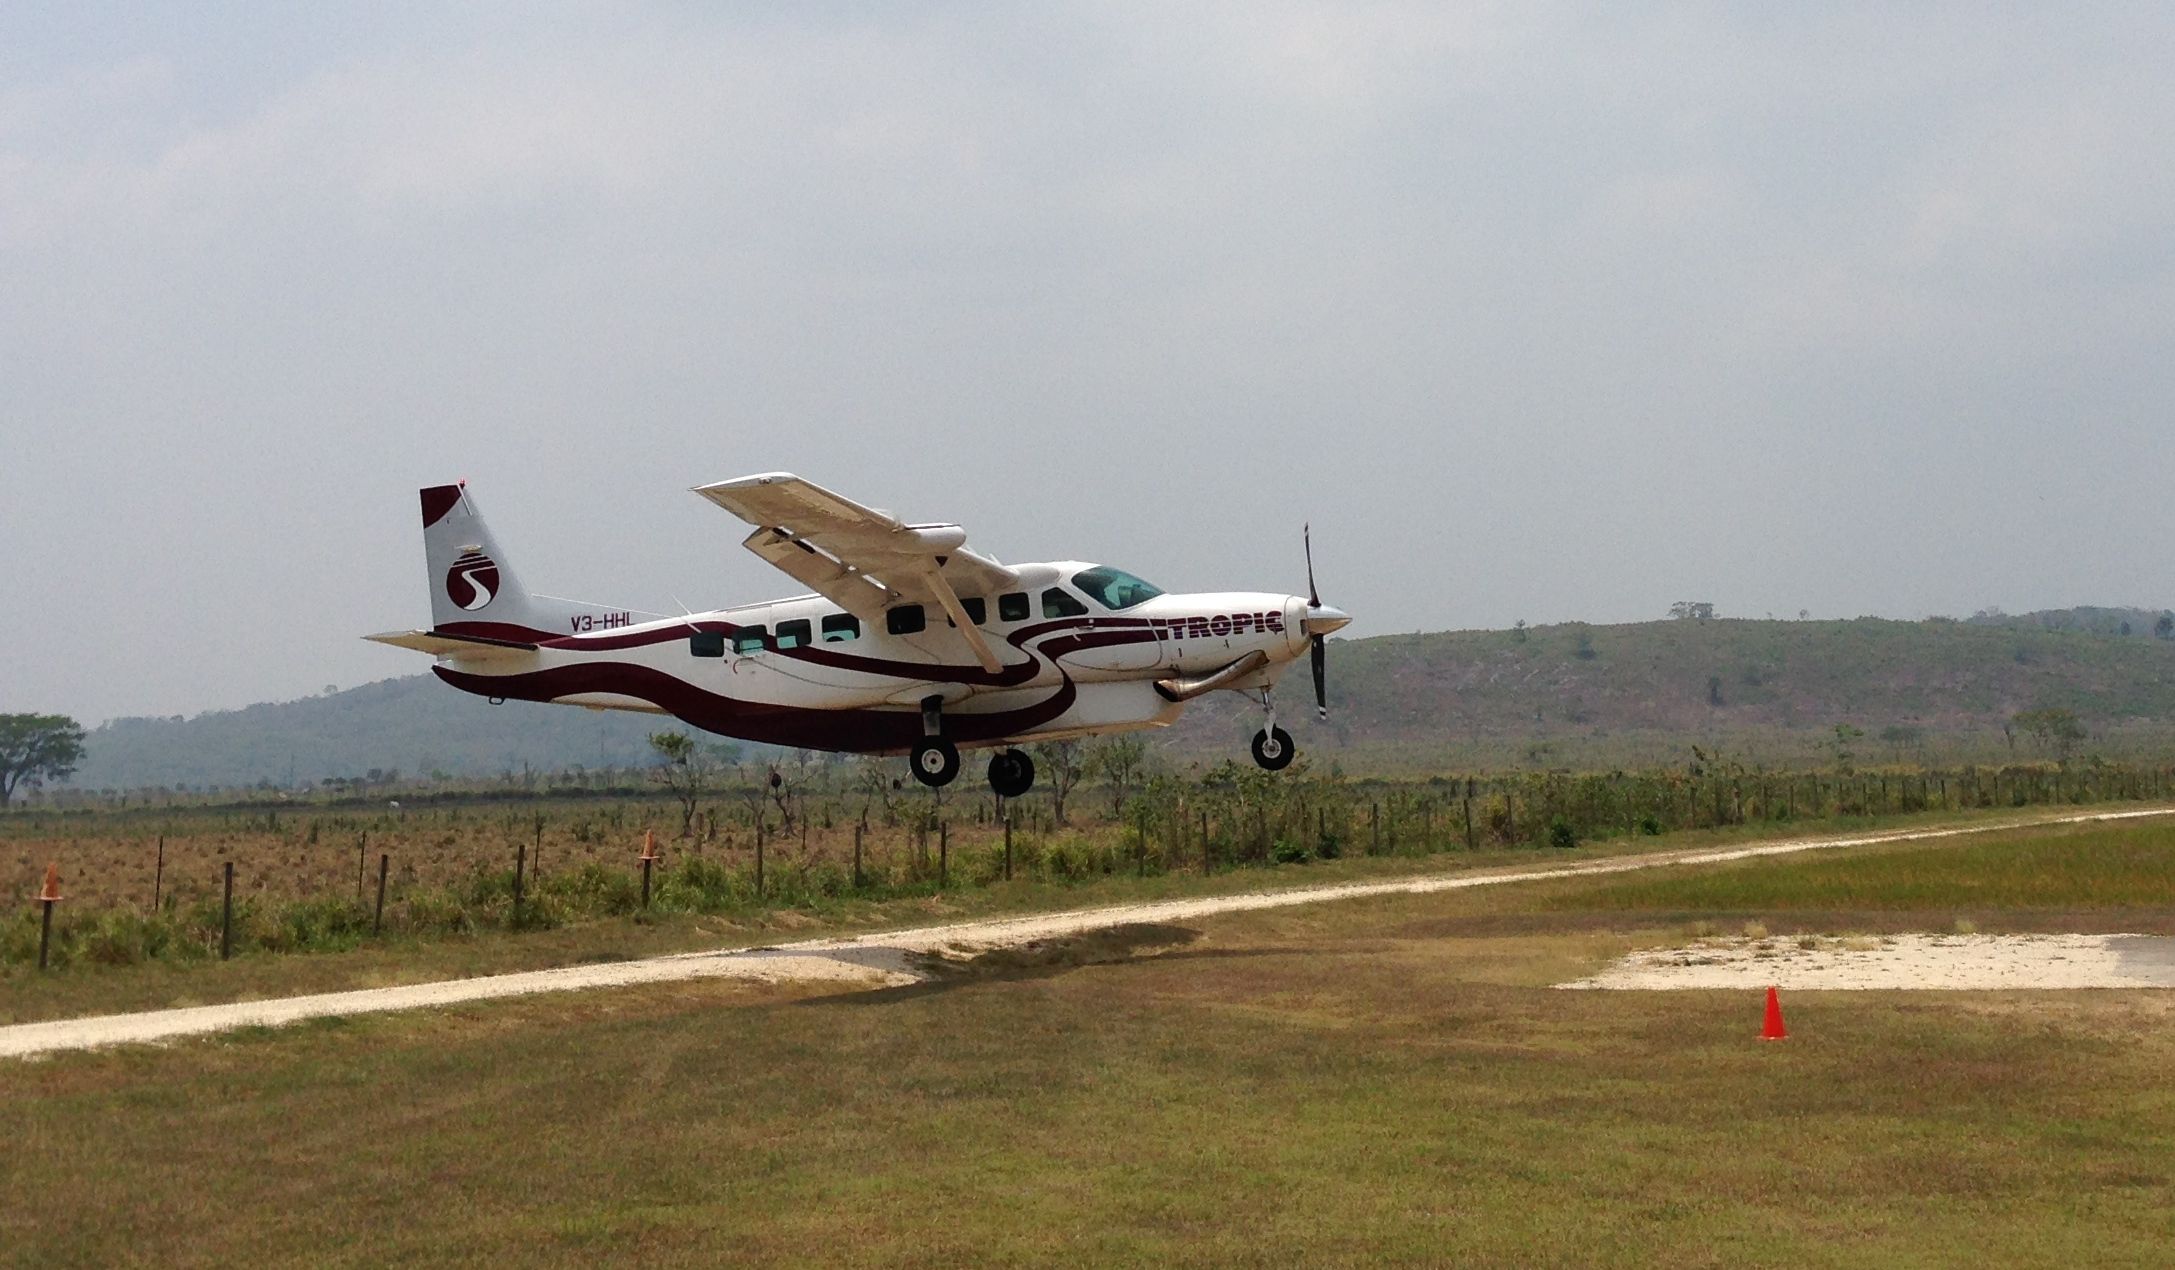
1285 851
1561 834
1650 826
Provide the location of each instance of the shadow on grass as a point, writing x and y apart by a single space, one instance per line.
1043 959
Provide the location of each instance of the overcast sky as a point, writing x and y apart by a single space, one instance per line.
1535 311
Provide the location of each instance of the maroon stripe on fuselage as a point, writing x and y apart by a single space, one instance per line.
1133 630
851 731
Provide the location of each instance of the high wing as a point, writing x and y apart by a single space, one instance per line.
862 559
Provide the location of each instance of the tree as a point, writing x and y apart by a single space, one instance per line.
1691 610
1064 764
36 748
682 766
2165 627
1119 760
2055 729
1846 736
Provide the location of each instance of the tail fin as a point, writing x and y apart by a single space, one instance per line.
473 589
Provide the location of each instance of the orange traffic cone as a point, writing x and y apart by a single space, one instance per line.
51 893
1773 1030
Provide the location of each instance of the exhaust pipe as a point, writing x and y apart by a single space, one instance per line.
1178 689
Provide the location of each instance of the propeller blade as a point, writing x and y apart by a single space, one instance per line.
1320 653
1314 595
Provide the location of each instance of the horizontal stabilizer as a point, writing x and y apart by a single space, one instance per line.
466 647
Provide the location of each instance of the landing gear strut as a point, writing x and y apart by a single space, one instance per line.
1273 749
1011 773
935 760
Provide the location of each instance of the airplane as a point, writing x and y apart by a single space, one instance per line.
911 643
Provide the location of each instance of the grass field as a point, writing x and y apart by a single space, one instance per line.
1383 1080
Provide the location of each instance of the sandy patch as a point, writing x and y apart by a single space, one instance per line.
1943 962
896 958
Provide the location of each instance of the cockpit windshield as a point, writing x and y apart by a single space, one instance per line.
1113 588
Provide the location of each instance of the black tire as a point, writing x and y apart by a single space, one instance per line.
1011 773
935 762
1273 749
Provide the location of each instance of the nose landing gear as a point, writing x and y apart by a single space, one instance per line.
1273 749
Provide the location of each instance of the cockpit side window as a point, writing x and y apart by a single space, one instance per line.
1012 606
907 619
1114 588
1057 602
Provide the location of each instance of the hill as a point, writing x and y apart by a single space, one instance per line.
1767 691
412 726
1570 695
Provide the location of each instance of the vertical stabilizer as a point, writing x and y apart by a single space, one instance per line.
473 587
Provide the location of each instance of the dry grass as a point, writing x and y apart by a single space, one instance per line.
1387 1081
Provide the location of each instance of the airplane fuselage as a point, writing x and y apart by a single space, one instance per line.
804 672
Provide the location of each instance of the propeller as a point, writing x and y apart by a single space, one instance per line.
1320 621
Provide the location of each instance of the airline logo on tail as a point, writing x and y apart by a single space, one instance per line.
472 582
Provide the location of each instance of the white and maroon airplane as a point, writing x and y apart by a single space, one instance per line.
911 644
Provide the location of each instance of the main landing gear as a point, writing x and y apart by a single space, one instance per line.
1011 773
935 760
1273 749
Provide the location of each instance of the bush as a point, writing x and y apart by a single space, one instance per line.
1560 833
1285 851
1650 826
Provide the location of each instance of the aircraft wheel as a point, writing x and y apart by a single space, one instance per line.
1011 773
1273 749
935 761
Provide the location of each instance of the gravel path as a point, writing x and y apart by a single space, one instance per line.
883 959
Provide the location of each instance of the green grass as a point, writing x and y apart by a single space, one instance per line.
2123 866
1388 1080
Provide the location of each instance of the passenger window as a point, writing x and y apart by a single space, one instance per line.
707 643
793 634
840 627
1012 606
907 619
750 639
977 609
1056 603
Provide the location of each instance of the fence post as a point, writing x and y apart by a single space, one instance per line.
1142 868
158 875
47 898
362 846
1374 828
649 858
377 919
943 854
1469 843
862 827
1207 864
521 865
1008 844
758 860
226 916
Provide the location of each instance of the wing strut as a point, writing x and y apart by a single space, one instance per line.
933 575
